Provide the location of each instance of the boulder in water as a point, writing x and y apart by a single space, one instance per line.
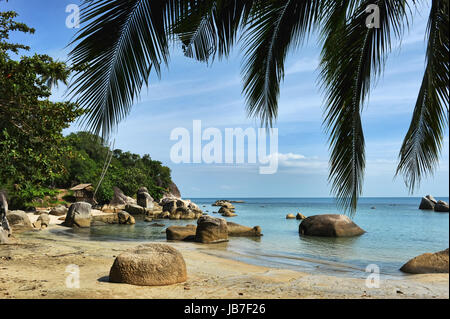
441 207
428 202
211 230
329 225
79 215
428 263
236 230
186 233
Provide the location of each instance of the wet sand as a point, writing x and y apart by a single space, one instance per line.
35 267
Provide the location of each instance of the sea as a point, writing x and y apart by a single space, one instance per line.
396 231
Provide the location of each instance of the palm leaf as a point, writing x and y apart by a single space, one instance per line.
419 154
273 28
121 42
352 57
211 27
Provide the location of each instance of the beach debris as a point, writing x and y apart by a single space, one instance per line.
300 216
211 230
329 225
149 265
79 215
290 216
428 263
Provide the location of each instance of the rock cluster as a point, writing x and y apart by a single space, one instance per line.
174 208
211 230
226 208
429 203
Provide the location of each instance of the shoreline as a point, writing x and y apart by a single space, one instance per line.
35 267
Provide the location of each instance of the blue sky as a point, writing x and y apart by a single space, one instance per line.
189 90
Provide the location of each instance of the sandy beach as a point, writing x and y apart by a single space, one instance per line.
35 267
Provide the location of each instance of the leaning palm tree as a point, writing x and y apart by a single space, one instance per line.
123 41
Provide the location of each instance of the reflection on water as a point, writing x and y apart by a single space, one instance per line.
396 232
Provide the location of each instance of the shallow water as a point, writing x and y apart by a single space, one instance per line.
396 231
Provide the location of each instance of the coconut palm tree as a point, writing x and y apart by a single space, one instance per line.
123 41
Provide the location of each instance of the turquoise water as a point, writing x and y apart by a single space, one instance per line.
396 231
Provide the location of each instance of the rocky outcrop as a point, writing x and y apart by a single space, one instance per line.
134 209
329 225
173 191
223 203
211 230
18 220
428 202
79 215
428 263
125 218
227 212
120 198
441 207
290 216
42 222
5 230
186 233
236 230
300 216
149 265
144 199
59 210
174 208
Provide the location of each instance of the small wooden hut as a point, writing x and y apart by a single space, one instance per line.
84 193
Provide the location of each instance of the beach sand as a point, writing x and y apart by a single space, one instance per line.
35 267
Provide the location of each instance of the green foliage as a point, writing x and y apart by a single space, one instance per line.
31 140
86 158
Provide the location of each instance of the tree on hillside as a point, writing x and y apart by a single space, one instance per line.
123 41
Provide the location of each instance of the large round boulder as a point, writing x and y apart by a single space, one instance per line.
186 233
427 202
18 220
441 207
149 265
125 218
427 263
79 215
211 230
329 225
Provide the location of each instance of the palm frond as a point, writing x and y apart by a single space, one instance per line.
121 42
352 57
211 27
419 154
273 28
